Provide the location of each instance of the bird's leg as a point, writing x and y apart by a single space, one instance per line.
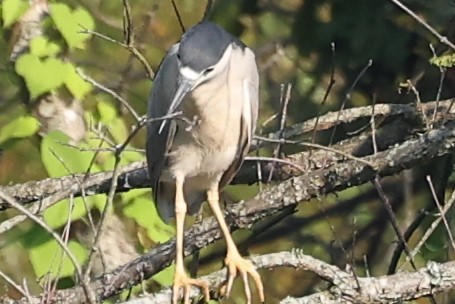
181 278
234 262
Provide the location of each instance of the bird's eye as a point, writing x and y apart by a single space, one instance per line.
178 56
208 70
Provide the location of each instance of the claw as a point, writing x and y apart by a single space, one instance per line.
182 280
236 264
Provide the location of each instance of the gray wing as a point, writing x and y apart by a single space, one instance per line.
158 143
250 108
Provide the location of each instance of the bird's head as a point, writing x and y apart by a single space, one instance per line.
203 53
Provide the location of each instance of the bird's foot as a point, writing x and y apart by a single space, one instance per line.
181 279
236 264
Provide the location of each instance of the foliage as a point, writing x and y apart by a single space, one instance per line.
293 43
444 61
20 127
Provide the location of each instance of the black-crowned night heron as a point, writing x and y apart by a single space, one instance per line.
212 78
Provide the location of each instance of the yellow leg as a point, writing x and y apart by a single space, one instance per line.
181 278
234 262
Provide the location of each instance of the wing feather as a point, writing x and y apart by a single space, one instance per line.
250 88
159 143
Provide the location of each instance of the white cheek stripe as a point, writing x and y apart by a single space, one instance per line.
189 73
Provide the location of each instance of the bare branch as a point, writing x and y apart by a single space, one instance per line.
441 38
271 201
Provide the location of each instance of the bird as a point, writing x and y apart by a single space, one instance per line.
202 114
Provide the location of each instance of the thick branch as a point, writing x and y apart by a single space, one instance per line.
135 175
271 201
404 286
346 288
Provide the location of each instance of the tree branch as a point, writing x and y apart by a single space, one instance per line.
320 182
404 286
135 175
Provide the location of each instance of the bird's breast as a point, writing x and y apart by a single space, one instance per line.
206 144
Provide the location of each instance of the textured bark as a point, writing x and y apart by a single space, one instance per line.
135 175
332 172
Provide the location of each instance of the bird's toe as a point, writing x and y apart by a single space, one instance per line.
236 264
185 282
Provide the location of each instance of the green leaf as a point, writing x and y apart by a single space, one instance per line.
57 215
106 110
47 258
20 127
75 84
110 118
166 276
444 61
132 194
71 23
41 76
12 10
143 211
41 47
59 159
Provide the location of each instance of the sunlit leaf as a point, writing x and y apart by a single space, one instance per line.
41 76
40 46
70 23
75 84
129 195
20 127
106 110
109 117
46 254
143 211
166 276
60 159
12 10
444 61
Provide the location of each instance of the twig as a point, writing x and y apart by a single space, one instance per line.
407 235
348 95
110 92
208 10
441 211
274 160
14 284
41 223
441 38
130 48
441 82
373 126
179 18
393 220
432 227
110 197
411 86
284 101
305 144
127 23
326 94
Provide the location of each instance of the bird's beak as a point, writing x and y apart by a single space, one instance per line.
184 86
